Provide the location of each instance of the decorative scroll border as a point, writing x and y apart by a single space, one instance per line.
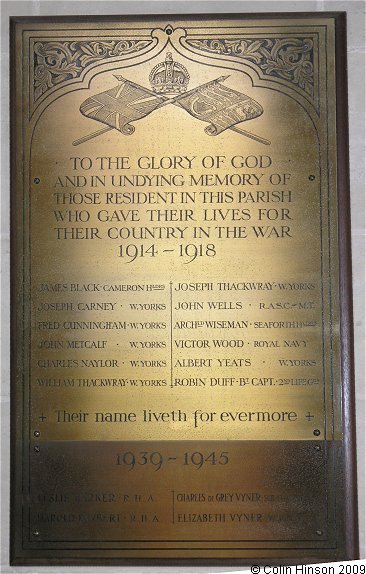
57 62
289 59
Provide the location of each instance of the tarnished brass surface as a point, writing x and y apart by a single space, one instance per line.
177 285
66 506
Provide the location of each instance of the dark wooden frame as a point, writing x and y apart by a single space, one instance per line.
345 285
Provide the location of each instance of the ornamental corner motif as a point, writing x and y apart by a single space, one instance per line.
56 62
287 59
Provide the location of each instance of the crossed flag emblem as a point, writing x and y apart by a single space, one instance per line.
212 102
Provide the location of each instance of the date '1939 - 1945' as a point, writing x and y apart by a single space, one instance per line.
156 459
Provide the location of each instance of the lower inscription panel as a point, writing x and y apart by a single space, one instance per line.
214 495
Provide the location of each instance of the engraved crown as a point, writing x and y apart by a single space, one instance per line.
169 77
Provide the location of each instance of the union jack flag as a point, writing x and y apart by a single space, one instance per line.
122 104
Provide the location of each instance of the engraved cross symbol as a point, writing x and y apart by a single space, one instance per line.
42 417
309 416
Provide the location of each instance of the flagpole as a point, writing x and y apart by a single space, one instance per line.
92 135
232 128
250 135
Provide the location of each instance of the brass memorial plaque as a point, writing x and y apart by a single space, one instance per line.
182 380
